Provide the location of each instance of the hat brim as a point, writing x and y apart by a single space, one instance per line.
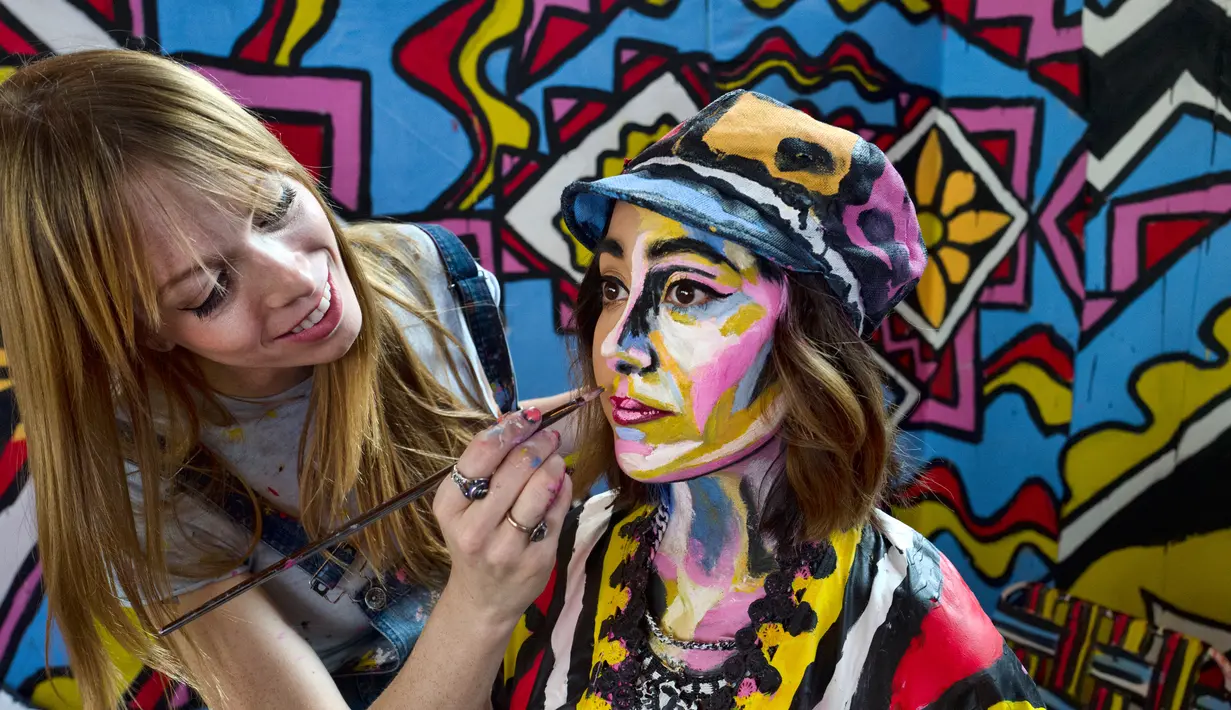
587 207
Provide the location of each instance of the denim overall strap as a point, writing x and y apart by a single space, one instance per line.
283 533
481 313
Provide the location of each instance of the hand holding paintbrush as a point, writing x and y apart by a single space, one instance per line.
487 457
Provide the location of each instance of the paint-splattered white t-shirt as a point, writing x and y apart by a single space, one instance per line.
262 448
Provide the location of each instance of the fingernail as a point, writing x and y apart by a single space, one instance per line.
532 415
557 433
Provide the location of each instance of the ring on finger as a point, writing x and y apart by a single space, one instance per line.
472 488
536 533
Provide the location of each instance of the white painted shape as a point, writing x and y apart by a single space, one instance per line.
61 26
1218 637
1103 34
17 530
890 571
937 337
1101 172
1197 435
594 517
534 214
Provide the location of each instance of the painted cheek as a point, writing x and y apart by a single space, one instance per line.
732 357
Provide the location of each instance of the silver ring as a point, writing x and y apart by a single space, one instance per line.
472 488
536 533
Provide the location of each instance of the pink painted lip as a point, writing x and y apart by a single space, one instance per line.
626 411
326 326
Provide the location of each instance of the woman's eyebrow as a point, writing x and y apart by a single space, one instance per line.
609 246
686 245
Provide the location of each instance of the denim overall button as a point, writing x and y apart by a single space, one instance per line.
375 598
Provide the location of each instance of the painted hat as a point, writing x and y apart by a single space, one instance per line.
810 197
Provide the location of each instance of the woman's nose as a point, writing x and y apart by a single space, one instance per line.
285 273
627 349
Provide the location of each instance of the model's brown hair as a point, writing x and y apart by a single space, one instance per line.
839 440
84 140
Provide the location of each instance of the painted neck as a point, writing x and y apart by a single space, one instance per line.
712 559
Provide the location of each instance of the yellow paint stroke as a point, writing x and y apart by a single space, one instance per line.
6 72
767 5
508 127
307 14
521 634
1014 705
769 65
635 142
19 432
61 693
1053 399
1172 391
993 557
1182 574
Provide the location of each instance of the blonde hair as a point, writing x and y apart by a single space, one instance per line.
839 441
82 136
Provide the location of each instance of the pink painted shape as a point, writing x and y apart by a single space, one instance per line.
21 599
963 416
137 9
560 106
180 697
627 54
904 99
1123 244
566 315
1093 310
1019 120
482 231
339 98
890 197
536 15
912 344
1045 38
1014 292
1062 250
509 264
507 162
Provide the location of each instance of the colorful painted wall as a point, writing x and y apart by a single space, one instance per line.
1065 366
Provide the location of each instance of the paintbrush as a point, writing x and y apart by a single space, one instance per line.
350 528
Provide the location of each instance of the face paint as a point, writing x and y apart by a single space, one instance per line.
682 347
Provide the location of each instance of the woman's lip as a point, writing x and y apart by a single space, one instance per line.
326 325
628 411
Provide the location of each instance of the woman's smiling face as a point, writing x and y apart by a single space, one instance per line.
682 346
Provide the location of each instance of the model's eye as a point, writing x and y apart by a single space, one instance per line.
613 290
687 294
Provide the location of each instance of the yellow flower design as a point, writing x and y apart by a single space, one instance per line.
949 228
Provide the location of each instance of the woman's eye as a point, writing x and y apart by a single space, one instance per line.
686 294
612 290
267 221
215 299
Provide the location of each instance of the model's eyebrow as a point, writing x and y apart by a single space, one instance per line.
686 245
609 246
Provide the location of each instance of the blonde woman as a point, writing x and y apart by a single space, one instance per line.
211 369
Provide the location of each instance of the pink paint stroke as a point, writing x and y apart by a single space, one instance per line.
1125 219
1014 292
1068 192
540 6
912 344
339 98
1093 310
21 599
137 9
180 697
482 231
1018 119
1044 39
963 416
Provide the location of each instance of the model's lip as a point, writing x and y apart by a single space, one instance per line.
626 411
328 317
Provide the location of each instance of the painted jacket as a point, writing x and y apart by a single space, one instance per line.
877 618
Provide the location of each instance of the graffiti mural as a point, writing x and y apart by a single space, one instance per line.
1063 372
